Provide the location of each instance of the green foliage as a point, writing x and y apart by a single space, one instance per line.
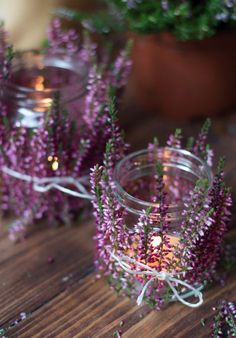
190 143
187 19
206 126
159 169
178 133
9 53
220 165
112 106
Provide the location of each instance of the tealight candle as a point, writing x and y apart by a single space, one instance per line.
35 79
155 244
156 241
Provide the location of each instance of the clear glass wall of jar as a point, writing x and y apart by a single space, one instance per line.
35 78
134 178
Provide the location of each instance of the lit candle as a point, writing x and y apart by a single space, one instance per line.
54 162
157 241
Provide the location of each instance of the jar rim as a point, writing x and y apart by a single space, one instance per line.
120 191
60 53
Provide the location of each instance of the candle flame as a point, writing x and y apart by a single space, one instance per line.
55 162
47 101
55 165
156 240
39 83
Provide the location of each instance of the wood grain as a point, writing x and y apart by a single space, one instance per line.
64 298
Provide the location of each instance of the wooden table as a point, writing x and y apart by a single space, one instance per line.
48 286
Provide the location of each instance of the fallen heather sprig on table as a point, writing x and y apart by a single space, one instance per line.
224 322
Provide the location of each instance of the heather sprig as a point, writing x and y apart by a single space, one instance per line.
158 193
62 39
153 147
110 230
174 140
200 147
142 232
118 146
197 220
224 322
121 67
107 210
6 54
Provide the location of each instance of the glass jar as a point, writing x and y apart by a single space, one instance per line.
34 81
134 175
134 179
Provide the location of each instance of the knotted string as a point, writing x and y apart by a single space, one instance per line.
163 276
47 183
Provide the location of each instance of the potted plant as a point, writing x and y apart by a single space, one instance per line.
184 54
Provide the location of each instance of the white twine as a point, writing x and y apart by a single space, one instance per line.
47 183
163 276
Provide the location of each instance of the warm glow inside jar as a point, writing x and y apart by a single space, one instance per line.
35 79
134 179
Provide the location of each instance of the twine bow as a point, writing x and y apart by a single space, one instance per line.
47 183
163 276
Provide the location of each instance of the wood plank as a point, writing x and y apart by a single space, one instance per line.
28 280
92 309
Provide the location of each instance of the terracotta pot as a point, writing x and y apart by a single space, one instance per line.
183 79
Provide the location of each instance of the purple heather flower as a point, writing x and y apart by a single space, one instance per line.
222 16
59 39
6 54
224 322
230 3
200 147
131 4
121 68
18 228
174 140
165 5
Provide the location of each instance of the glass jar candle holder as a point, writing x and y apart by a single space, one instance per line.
161 219
34 81
135 188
